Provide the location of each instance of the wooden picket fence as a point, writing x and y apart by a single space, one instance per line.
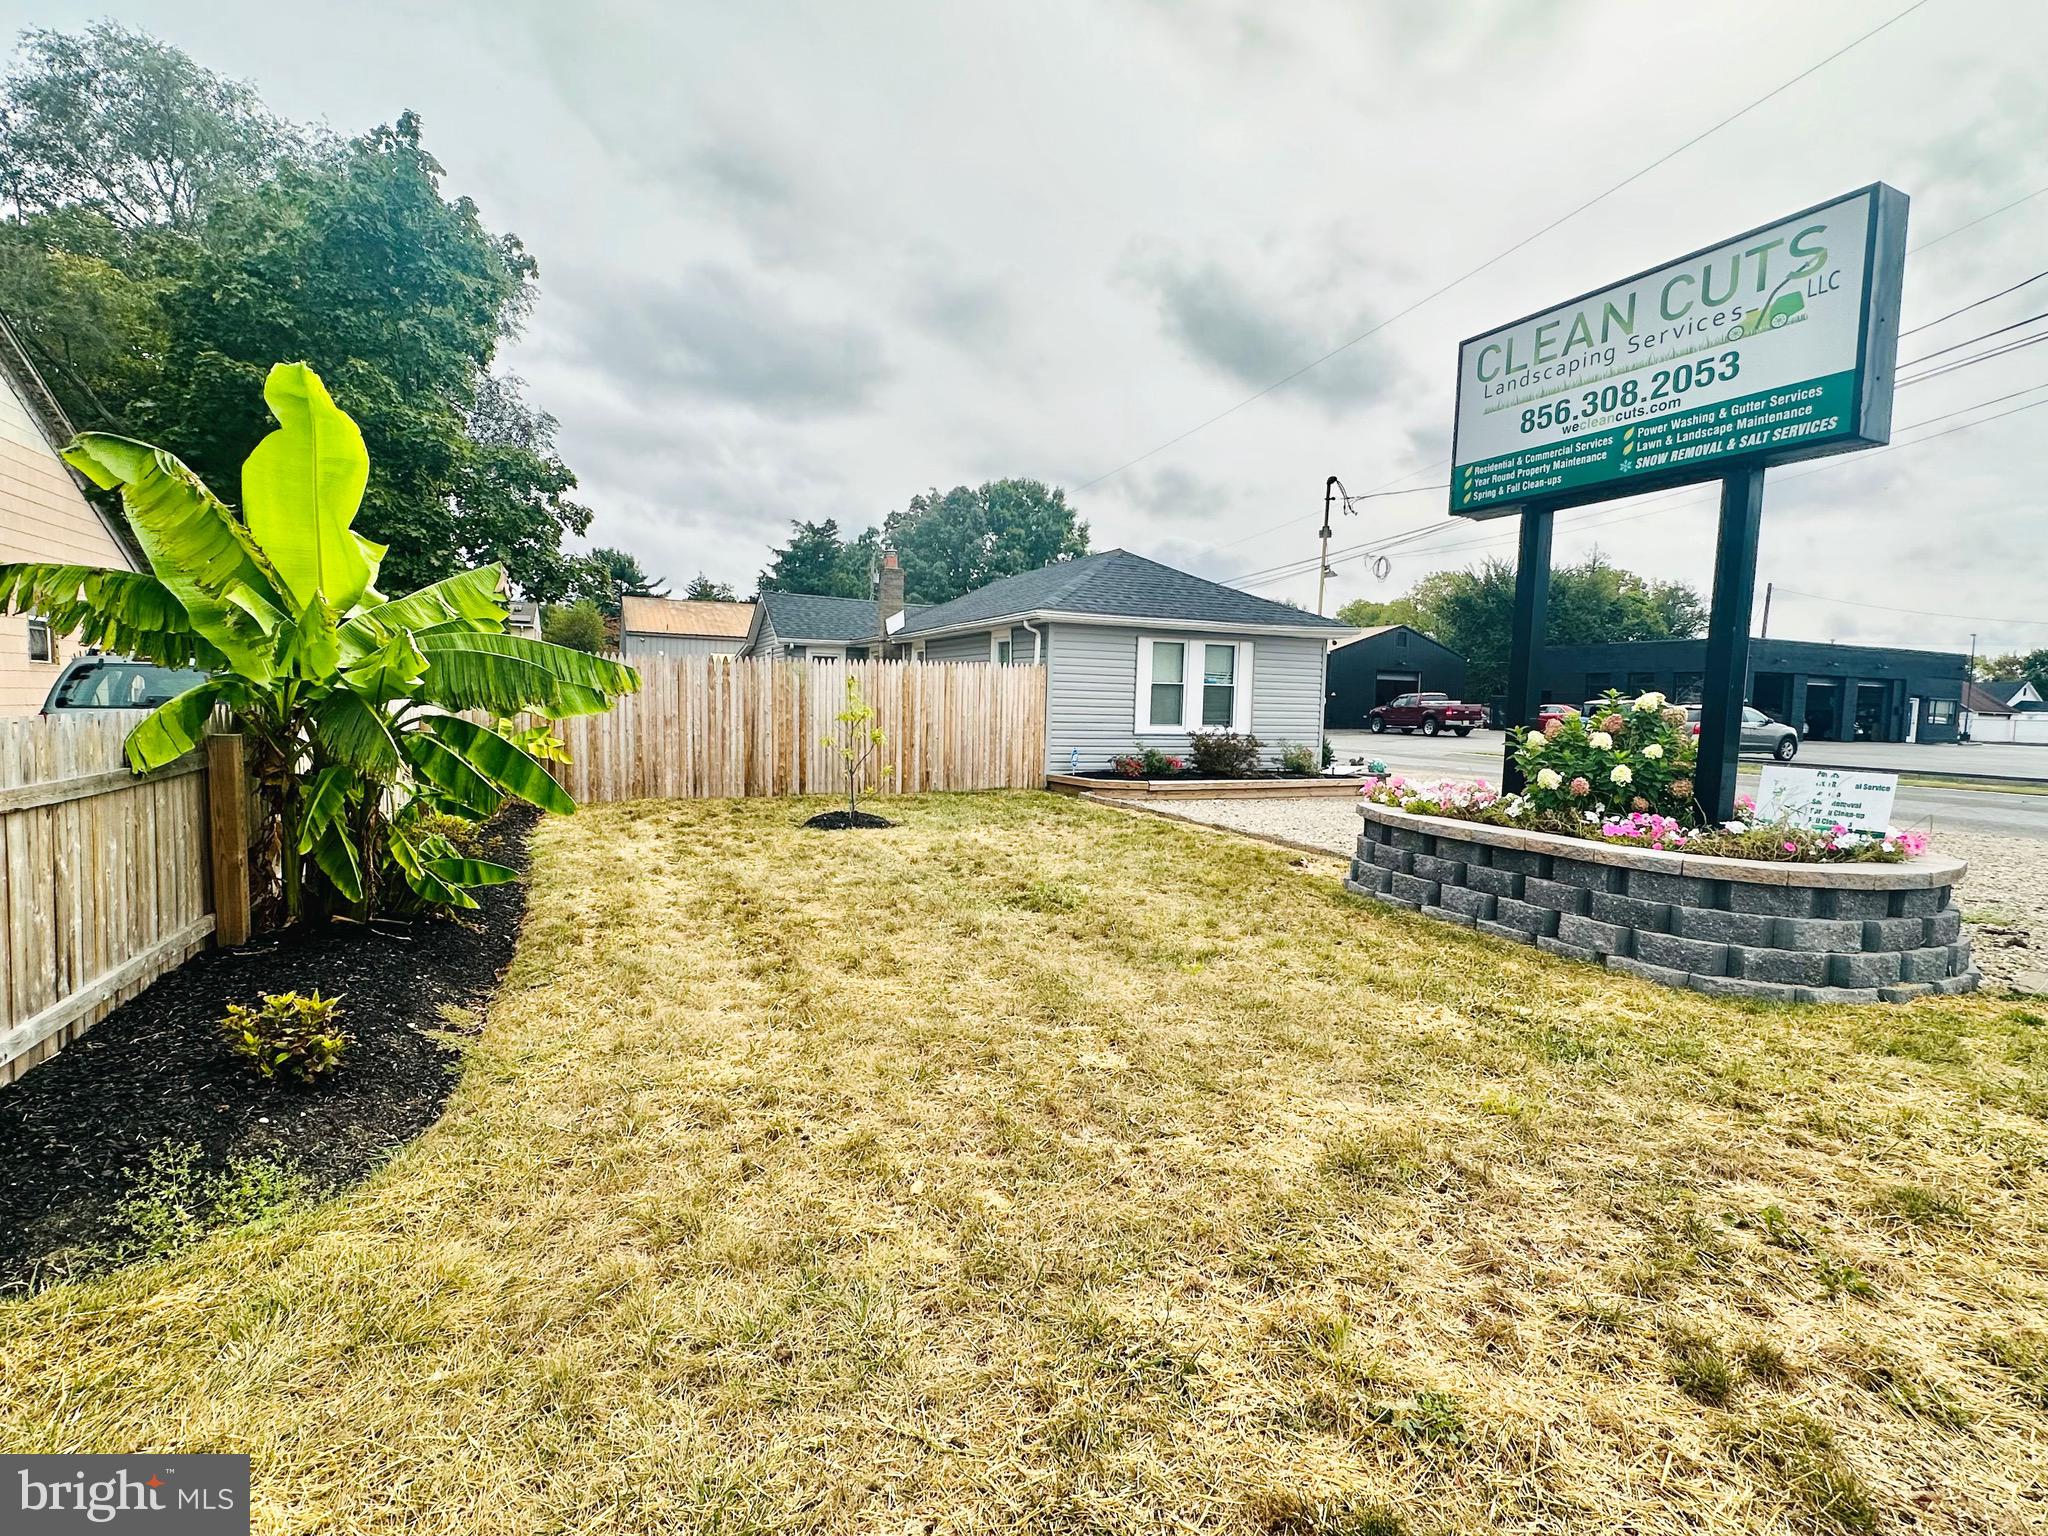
105 879
704 727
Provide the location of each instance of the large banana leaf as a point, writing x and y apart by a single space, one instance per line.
470 871
173 728
427 885
390 671
469 599
125 612
453 781
496 672
347 728
197 549
324 830
498 760
300 491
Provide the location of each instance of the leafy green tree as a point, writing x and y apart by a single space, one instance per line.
605 575
116 123
578 625
1364 613
953 543
356 702
1591 602
702 589
818 561
173 238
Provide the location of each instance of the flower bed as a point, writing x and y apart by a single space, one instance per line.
1852 930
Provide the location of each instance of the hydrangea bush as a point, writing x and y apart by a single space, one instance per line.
1625 775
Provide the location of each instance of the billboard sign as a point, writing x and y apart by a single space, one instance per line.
1773 346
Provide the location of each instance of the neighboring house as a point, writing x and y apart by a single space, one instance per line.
1382 664
800 626
2015 693
1984 702
674 626
1136 654
522 617
43 516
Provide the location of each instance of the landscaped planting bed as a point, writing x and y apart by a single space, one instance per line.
1034 1166
148 1130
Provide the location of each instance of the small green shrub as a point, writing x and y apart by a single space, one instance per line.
172 1204
1127 765
289 1036
466 837
580 626
1225 754
1299 757
1159 764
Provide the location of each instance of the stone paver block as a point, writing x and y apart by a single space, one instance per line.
1673 890
1631 912
1789 967
1473 904
1643 971
1393 900
1905 991
1925 902
1460 851
1959 957
1503 931
1591 877
1945 927
1551 893
1865 970
1552 946
1387 856
1858 904
1412 888
1448 915
1771 900
1600 938
1834 994
1429 866
1966 981
1495 882
1894 932
1697 957
1742 986
1520 860
1752 928
1414 842
1926 964
1524 915
1821 933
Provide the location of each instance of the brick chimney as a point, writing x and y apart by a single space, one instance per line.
889 598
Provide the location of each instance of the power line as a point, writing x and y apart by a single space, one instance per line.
1973 340
1973 359
1498 257
1973 304
1925 613
1982 218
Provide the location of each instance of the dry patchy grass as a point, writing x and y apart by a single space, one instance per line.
1031 1167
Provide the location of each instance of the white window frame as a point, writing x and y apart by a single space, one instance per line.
41 627
998 643
1190 723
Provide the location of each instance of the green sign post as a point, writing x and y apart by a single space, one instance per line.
1774 346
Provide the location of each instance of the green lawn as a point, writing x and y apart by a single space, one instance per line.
1036 1167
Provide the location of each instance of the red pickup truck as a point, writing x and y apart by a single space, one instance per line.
1427 713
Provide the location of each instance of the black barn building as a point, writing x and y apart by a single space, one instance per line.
1392 659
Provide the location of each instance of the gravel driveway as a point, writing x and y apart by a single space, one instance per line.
2005 897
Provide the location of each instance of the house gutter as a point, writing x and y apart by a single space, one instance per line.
1133 621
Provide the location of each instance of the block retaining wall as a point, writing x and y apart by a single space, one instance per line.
1810 933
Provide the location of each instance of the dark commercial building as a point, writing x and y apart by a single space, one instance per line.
1384 662
1831 692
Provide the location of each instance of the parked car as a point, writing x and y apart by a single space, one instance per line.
1428 713
93 681
1760 733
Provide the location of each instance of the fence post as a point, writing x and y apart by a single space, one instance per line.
227 817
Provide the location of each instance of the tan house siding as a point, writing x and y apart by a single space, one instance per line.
43 516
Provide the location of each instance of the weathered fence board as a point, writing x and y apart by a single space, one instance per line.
705 727
103 878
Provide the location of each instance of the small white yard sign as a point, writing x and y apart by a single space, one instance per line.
1821 798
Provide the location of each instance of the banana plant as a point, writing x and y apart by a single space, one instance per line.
362 708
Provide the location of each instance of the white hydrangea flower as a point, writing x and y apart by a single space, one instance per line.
1549 778
1536 743
1650 701
1654 751
1600 741
1622 773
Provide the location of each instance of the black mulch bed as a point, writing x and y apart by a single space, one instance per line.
842 821
75 1130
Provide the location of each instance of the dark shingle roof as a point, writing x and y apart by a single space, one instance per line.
2003 688
802 616
1113 584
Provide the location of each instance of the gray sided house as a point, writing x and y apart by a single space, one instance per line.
1136 654
673 626
798 626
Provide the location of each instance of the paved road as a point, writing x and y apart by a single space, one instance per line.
1988 811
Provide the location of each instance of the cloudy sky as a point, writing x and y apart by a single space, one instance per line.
803 261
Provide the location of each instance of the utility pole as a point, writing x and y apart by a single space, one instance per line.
1969 680
1323 556
1765 634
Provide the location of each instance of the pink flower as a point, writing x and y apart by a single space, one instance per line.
1612 724
1791 847
1368 784
1553 725
1579 786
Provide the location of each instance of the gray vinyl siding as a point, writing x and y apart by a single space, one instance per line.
972 646
1092 683
637 646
